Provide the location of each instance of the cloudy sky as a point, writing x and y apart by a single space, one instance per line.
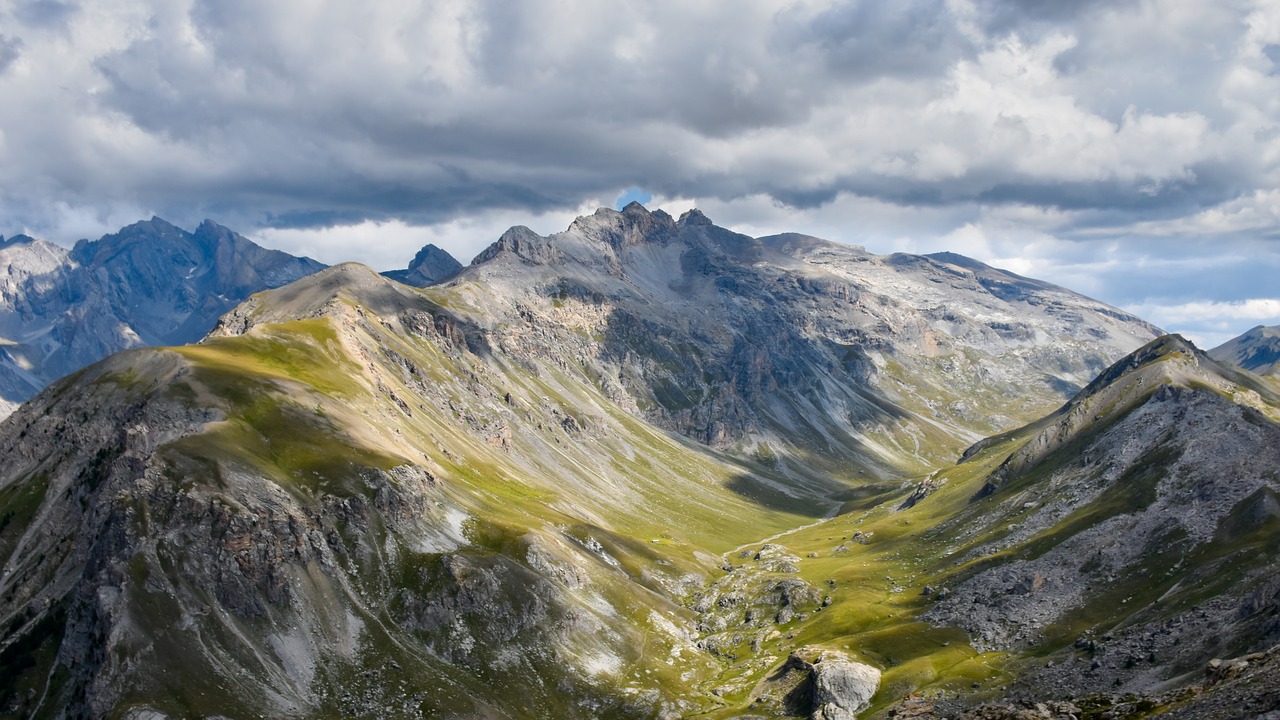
1128 150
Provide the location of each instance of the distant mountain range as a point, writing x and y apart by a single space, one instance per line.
150 284
646 467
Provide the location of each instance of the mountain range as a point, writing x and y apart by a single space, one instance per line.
149 284
645 467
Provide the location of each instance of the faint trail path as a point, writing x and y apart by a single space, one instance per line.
835 510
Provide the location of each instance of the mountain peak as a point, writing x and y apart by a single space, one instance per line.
429 266
317 295
1257 350
522 242
210 226
1163 368
694 216
1163 347
156 224
436 259
210 234
19 239
1168 360
633 225
157 228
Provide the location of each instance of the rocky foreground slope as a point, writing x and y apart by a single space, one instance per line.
149 284
496 498
1136 528
359 508
1115 546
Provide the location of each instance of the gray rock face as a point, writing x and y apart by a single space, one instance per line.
31 274
842 687
430 266
150 284
756 343
1169 459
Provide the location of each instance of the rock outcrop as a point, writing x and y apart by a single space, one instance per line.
842 687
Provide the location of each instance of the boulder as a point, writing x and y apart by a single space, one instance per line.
842 687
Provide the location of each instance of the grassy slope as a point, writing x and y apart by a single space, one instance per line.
540 451
875 585
304 412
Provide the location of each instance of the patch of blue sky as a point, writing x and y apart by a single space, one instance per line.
630 195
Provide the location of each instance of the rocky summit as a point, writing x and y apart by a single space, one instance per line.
646 468
789 346
431 265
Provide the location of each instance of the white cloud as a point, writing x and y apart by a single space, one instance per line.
392 244
1130 150
1210 323
1255 309
1257 212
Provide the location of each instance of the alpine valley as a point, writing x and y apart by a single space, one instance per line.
641 468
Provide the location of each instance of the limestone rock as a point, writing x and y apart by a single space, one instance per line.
842 687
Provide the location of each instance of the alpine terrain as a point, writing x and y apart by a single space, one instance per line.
149 284
1257 350
646 468
431 265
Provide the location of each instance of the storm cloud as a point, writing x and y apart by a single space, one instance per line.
1130 150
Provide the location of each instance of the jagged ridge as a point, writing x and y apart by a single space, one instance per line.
787 345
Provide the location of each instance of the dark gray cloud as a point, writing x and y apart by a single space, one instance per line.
10 49
1093 123
863 41
1004 16
303 110
45 13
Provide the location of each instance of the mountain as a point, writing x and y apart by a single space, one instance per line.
430 266
1103 554
789 346
1132 534
31 270
641 468
149 284
349 500
1258 351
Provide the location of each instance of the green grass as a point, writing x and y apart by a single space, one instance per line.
304 351
306 407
